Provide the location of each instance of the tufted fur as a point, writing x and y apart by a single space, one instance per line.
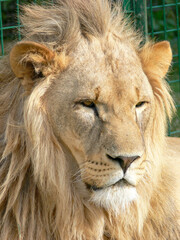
42 195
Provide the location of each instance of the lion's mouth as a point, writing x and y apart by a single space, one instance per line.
120 183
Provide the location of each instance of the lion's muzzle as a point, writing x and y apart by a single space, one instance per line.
124 161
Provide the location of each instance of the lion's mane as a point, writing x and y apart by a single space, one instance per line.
37 197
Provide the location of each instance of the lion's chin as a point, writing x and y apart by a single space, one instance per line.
115 198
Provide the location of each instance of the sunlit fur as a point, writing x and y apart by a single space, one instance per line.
115 199
37 198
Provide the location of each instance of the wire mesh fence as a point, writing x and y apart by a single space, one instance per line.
158 19
163 24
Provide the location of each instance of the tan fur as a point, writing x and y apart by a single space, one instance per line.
70 107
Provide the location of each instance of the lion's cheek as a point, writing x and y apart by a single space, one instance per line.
143 119
135 175
85 130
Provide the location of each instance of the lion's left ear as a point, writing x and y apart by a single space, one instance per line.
156 59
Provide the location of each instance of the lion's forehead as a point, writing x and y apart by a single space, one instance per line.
108 65
109 55
110 68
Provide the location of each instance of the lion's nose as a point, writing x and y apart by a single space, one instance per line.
124 161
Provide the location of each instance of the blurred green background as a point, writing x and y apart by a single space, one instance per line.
158 19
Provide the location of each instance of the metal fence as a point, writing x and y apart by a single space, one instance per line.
157 19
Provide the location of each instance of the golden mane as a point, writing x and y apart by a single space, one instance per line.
68 21
37 200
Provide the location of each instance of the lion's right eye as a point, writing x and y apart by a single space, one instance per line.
88 103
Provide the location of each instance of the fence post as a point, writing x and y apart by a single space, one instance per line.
139 10
1 31
141 16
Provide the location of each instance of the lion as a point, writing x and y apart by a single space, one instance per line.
83 119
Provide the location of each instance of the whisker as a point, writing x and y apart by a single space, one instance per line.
146 160
82 166
77 180
77 176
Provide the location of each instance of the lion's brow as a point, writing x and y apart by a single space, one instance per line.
97 92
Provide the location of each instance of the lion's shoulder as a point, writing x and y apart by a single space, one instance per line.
173 149
172 155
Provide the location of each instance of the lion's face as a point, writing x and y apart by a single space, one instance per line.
101 104
100 108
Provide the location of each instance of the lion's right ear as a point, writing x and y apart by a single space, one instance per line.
27 57
31 60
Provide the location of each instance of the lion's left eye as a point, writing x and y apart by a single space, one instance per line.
140 104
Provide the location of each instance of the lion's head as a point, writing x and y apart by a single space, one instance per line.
86 120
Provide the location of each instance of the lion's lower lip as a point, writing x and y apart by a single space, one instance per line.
93 187
118 183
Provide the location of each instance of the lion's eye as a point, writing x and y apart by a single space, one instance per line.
88 103
140 104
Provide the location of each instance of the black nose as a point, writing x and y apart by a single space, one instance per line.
124 161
